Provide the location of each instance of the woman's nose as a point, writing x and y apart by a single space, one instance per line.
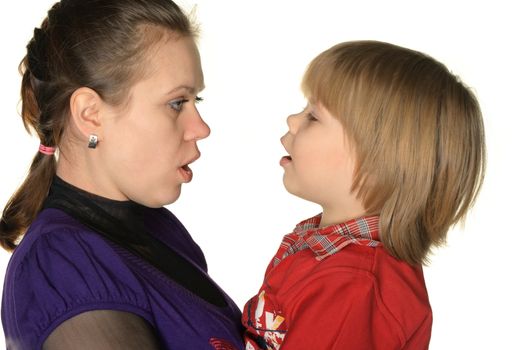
196 129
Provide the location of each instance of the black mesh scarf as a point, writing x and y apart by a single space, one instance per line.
122 222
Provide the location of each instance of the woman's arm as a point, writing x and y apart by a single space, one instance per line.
103 330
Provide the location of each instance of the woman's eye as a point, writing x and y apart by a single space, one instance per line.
177 105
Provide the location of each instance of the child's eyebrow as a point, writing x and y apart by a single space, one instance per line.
314 108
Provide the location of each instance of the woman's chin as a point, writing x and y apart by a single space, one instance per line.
162 198
171 196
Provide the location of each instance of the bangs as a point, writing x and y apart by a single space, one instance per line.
330 81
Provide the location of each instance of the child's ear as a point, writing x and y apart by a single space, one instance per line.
85 106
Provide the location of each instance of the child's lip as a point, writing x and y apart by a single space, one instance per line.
285 160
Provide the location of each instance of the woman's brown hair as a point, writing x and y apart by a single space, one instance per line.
417 133
100 44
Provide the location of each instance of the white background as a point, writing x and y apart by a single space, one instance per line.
254 54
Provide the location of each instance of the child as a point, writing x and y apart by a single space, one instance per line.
391 145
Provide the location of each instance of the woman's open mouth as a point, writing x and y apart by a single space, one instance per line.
186 173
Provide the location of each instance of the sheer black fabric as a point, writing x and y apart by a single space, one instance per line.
103 330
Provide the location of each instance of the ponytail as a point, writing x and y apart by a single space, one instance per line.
26 203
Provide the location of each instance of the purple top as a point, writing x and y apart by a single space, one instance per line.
62 269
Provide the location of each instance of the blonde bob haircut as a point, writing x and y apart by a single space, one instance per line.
417 133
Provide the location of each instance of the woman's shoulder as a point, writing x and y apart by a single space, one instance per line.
60 252
55 236
51 227
60 269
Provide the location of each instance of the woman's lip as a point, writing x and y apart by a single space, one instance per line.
186 173
185 170
285 160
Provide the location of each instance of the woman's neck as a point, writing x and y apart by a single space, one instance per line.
80 176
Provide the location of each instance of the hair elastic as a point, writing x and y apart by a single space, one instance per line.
48 151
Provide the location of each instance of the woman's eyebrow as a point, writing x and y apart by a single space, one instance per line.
190 89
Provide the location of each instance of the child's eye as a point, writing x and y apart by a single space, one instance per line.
177 105
198 99
311 117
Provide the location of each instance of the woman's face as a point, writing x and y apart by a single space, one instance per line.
148 143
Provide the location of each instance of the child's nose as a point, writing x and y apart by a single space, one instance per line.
292 122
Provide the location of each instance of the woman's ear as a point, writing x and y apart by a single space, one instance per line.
85 106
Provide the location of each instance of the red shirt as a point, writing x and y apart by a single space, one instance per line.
337 287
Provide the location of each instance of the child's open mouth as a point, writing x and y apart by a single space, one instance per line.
285 160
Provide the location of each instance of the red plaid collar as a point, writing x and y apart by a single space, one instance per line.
329 240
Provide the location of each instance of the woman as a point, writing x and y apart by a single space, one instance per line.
113 85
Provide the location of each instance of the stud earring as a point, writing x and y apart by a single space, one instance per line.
93 141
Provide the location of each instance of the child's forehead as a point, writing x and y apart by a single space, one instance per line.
311 100
314 103
311 103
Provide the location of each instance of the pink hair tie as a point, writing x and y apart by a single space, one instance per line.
48 151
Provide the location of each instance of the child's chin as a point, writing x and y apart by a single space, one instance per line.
287 185
295 191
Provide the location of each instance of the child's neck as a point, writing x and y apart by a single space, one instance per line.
332 216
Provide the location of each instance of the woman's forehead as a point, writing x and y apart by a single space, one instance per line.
174 65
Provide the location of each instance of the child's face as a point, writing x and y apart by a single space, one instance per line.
320 164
